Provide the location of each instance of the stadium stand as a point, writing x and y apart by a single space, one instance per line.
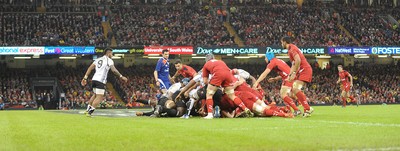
167 25
312 26
37 29
367 25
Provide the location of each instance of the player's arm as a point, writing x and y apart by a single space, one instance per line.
277 78
186 94
262 77
351 79
158 69
116 72
186 88
237 83
205 75
175 75
171 80
295 67
227 114
89 70
338 81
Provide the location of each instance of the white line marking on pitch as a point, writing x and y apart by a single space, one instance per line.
370 149
353 123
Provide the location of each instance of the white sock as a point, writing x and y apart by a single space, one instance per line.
88 107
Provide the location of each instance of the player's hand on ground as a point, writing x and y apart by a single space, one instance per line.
83 82
124 79
138 113
271 80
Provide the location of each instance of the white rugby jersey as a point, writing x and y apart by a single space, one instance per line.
173 88
244 74
199 78
103 65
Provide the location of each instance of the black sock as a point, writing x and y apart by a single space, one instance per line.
146 102
148 113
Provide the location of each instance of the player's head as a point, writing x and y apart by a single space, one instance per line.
269 56
165 53
178 64
340 68
285 41
209 57
108 52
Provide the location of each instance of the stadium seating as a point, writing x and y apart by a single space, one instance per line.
167 25
312 26
38 29
368 27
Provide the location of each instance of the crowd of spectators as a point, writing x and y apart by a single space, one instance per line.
312 26
14 87
369 26
168 25
32 29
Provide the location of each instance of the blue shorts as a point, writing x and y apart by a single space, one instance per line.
164 84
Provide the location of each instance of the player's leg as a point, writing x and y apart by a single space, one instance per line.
272 110
297 86
163 86
99 97
229 91
211 89
344 98
89 106
285 90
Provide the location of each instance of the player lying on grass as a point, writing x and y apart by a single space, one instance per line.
166 103
257 106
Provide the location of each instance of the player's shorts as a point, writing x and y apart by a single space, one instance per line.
304 75
164 84
180 103
224 79
98 87
247 98
162 101
345 87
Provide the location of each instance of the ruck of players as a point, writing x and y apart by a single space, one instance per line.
218 91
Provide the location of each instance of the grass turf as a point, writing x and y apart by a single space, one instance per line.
329 128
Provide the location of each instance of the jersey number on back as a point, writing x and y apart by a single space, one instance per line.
99 63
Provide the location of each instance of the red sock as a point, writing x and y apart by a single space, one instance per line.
239 103
352 99
303 100
271 112
210 104
290 102
344 101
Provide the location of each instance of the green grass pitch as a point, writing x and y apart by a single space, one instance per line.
329 128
